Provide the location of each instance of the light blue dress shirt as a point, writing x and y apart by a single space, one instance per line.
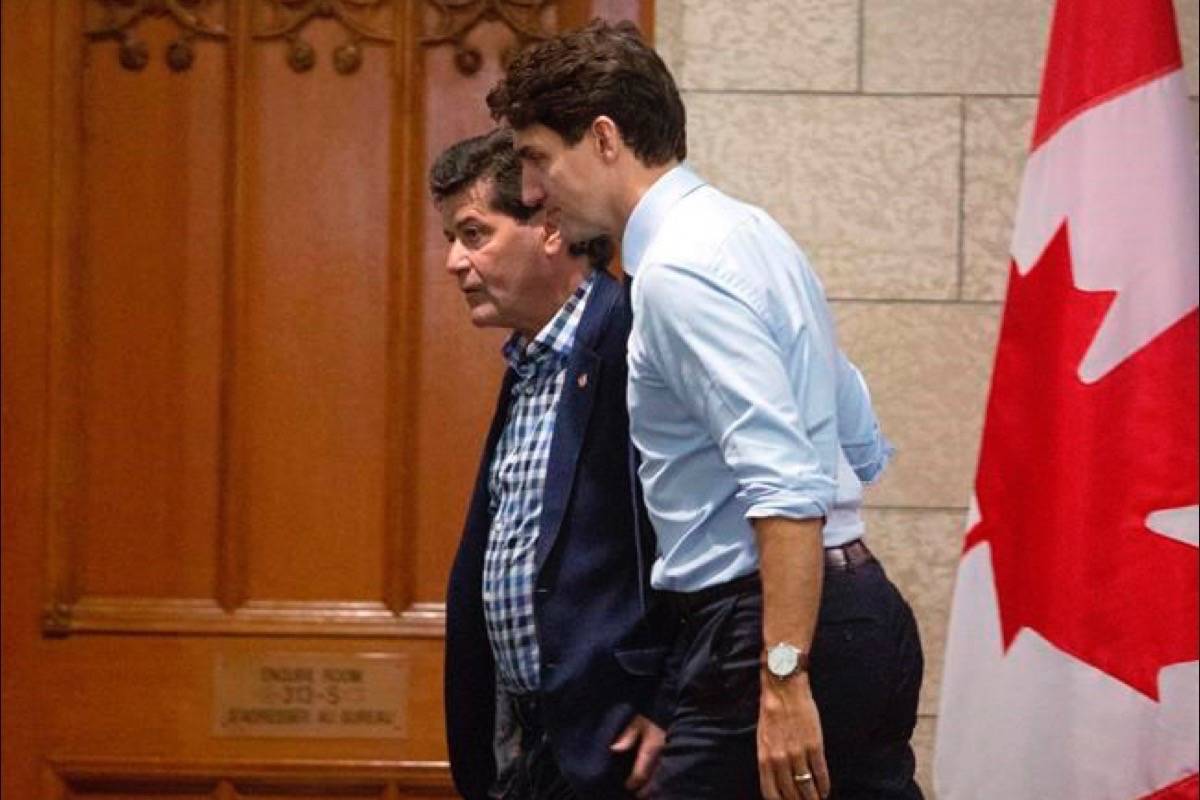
741 404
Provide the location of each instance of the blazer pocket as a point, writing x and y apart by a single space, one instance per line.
643 662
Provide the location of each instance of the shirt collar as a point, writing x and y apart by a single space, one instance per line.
556 338
650 212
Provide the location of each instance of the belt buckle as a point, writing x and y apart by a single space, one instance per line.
847 556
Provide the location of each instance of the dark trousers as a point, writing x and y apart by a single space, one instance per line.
526 768
865 672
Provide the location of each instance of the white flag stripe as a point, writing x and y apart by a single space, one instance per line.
1132 222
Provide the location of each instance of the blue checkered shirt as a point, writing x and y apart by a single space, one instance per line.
516 484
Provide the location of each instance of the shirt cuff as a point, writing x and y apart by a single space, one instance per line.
797 508
870 459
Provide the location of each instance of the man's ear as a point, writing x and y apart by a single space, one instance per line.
552 238
607 137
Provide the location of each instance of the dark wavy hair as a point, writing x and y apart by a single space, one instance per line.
491 157
487 157
602 69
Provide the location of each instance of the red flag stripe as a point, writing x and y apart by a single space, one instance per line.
1098 50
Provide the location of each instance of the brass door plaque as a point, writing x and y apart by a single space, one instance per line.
310 695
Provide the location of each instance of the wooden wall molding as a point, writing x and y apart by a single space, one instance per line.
71 776
352 619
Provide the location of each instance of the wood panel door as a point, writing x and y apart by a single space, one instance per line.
242 404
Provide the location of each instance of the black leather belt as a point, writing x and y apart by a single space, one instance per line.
842 557
848 556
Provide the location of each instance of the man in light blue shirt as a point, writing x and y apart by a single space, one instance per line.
798 663
736 384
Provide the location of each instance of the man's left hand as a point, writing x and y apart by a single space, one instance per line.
648 738
791 753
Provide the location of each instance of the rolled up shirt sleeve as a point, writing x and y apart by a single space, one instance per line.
736 373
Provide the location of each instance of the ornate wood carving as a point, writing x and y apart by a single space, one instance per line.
121 18
457 18
292 16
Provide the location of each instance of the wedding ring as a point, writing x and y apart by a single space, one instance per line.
804 777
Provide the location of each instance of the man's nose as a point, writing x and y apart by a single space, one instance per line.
456 258
532 192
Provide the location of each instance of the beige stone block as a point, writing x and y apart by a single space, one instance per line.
922 742
954 46
920 549
761 44
867 186
976 46
928 366
1187 17
996 146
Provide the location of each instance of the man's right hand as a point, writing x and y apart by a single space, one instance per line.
649 739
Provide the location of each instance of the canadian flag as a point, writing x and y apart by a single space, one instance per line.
1071 663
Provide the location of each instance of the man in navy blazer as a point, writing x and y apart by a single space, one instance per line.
551 655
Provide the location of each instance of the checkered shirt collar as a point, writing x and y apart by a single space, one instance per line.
553 343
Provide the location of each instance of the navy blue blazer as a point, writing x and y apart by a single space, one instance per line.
600 656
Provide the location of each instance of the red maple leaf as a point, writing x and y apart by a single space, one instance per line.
1069 471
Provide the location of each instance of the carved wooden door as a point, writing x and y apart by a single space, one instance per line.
242 403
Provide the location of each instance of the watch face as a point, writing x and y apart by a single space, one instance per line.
782 660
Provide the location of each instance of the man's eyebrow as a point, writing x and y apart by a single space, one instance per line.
454 226
469 217
525 152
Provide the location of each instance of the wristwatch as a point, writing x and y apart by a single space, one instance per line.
783 660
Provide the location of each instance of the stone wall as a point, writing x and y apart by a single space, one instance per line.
888 136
